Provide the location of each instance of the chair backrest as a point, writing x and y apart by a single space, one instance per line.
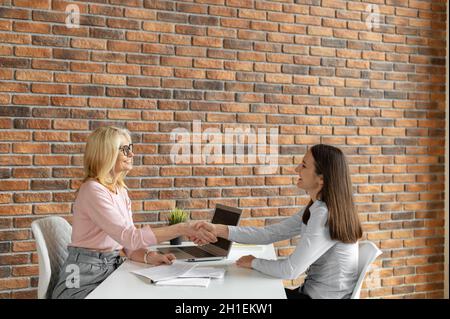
368 252
52 235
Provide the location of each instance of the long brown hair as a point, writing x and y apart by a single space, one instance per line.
336 193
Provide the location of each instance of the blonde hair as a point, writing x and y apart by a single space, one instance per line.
100 156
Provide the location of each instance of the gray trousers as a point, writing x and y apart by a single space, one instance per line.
83 271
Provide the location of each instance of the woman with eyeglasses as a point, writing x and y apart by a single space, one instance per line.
103 223
328 226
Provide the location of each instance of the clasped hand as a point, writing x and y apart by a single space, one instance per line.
201 232
211 230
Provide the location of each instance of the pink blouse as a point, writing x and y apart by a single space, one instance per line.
103 221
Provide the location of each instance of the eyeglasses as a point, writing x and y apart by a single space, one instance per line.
126 149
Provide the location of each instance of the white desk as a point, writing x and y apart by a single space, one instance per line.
238 283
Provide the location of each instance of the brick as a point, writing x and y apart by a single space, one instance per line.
13 87
172 17
32 197
14 283
6 74
70 124
94 44
175 171
26 271
220 181
107 34
31 148
124 114
50 41
6 25
278 180
68 101
15 38
159 205
15 160
109 79
51 209
21 26
69 54
140 81
14 235
48 184
158 27
49 88
63 30
5 198
14 13
322 90
140 13
16 209
87 90
33 52
123 69
138 104
176 39
51 160
14 62
30 173
38 4
203 20
39 76
155 93
174 194
32 124
50 65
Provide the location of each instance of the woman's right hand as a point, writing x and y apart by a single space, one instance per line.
155 258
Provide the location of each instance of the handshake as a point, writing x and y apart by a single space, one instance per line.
201 232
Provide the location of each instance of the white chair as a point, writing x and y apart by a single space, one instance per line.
52 236
368 252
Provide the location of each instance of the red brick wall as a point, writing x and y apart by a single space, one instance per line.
313 69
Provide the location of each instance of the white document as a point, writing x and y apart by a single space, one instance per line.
204 272
196 282
165 272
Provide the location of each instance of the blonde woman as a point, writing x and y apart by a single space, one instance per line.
102 219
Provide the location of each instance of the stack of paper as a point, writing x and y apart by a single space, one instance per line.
181 274
204 272
165 272
196 282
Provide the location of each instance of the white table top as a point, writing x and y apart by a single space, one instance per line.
238 283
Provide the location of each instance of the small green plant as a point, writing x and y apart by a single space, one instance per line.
176 216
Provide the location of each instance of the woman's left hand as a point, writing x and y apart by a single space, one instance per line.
245 261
